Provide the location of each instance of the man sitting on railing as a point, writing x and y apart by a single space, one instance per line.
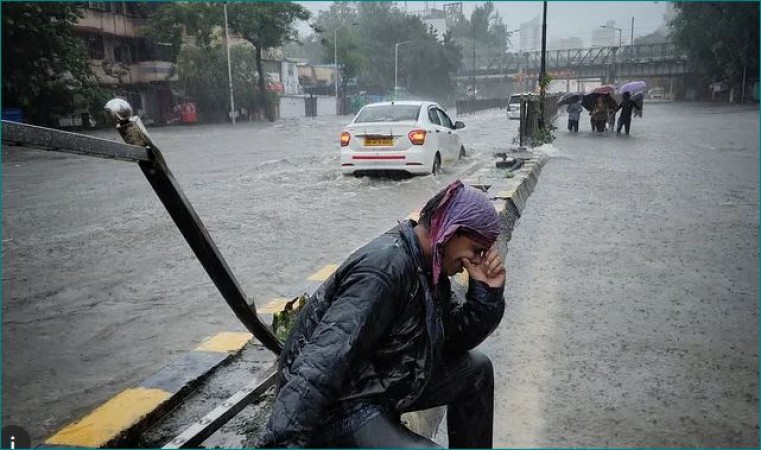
383 336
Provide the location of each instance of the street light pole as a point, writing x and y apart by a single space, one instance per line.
473 84
396 65
542 73
620 42
335 63
229 69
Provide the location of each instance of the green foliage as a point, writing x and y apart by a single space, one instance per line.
543 135
265 25
367 33
720 39
283 322
484 33
545 81
202 76
46 67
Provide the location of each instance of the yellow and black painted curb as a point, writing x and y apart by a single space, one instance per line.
126 415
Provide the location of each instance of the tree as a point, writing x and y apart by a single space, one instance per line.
202 76
265 25
338 28
367 34
720 39
485 31
46 67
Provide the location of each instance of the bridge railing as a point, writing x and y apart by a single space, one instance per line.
513 62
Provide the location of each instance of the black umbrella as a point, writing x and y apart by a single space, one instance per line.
590 100
567 99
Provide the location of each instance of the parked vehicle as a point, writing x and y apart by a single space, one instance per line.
514 107
415 137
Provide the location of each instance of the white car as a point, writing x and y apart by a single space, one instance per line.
514 107
405 136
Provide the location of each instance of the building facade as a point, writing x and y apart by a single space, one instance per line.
122 60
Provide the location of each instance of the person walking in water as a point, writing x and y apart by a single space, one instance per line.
625 119
599 115
574 113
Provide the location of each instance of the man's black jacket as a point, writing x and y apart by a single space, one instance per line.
370 336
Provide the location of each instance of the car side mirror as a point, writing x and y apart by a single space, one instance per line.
458 125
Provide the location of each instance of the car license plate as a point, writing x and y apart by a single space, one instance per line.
379 141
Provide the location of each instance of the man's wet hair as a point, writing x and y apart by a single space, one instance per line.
426 214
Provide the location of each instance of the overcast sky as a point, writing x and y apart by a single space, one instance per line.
564 19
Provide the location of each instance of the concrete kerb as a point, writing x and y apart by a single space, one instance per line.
121 419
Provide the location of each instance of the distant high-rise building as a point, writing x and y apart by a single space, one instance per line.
531 34
603 37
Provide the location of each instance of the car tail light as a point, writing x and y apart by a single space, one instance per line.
345 138
417 137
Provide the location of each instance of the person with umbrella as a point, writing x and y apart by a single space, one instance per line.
626 107
574 113
600 115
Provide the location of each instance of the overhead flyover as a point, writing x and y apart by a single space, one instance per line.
627 61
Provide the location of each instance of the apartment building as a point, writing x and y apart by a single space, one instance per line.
123 61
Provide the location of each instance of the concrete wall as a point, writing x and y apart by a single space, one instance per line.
293 106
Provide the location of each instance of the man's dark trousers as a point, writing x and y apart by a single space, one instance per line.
624 122
465 384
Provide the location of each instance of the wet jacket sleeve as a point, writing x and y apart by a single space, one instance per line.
360 314
468 324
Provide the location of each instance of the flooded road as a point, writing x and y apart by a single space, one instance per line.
100 290
633 289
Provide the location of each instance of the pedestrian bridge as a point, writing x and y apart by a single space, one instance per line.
609 62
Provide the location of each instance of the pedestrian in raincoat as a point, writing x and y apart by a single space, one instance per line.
574 113
384 336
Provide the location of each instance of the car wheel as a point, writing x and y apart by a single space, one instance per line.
462 152
436 169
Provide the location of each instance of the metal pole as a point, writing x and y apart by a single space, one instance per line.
542 73
396 67
631 41
742 99
229 69
474 57
335 63
620 57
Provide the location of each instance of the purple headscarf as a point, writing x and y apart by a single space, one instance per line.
462 207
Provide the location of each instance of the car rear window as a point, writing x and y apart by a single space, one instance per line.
515 99
389 113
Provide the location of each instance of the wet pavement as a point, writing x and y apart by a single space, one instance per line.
99 288
633 289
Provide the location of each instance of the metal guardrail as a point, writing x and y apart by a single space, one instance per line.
473 106
140 148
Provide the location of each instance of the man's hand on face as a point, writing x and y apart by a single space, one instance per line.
489 270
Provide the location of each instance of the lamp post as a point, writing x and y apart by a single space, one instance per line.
335 61
620 32
542 73
229 69
396 65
